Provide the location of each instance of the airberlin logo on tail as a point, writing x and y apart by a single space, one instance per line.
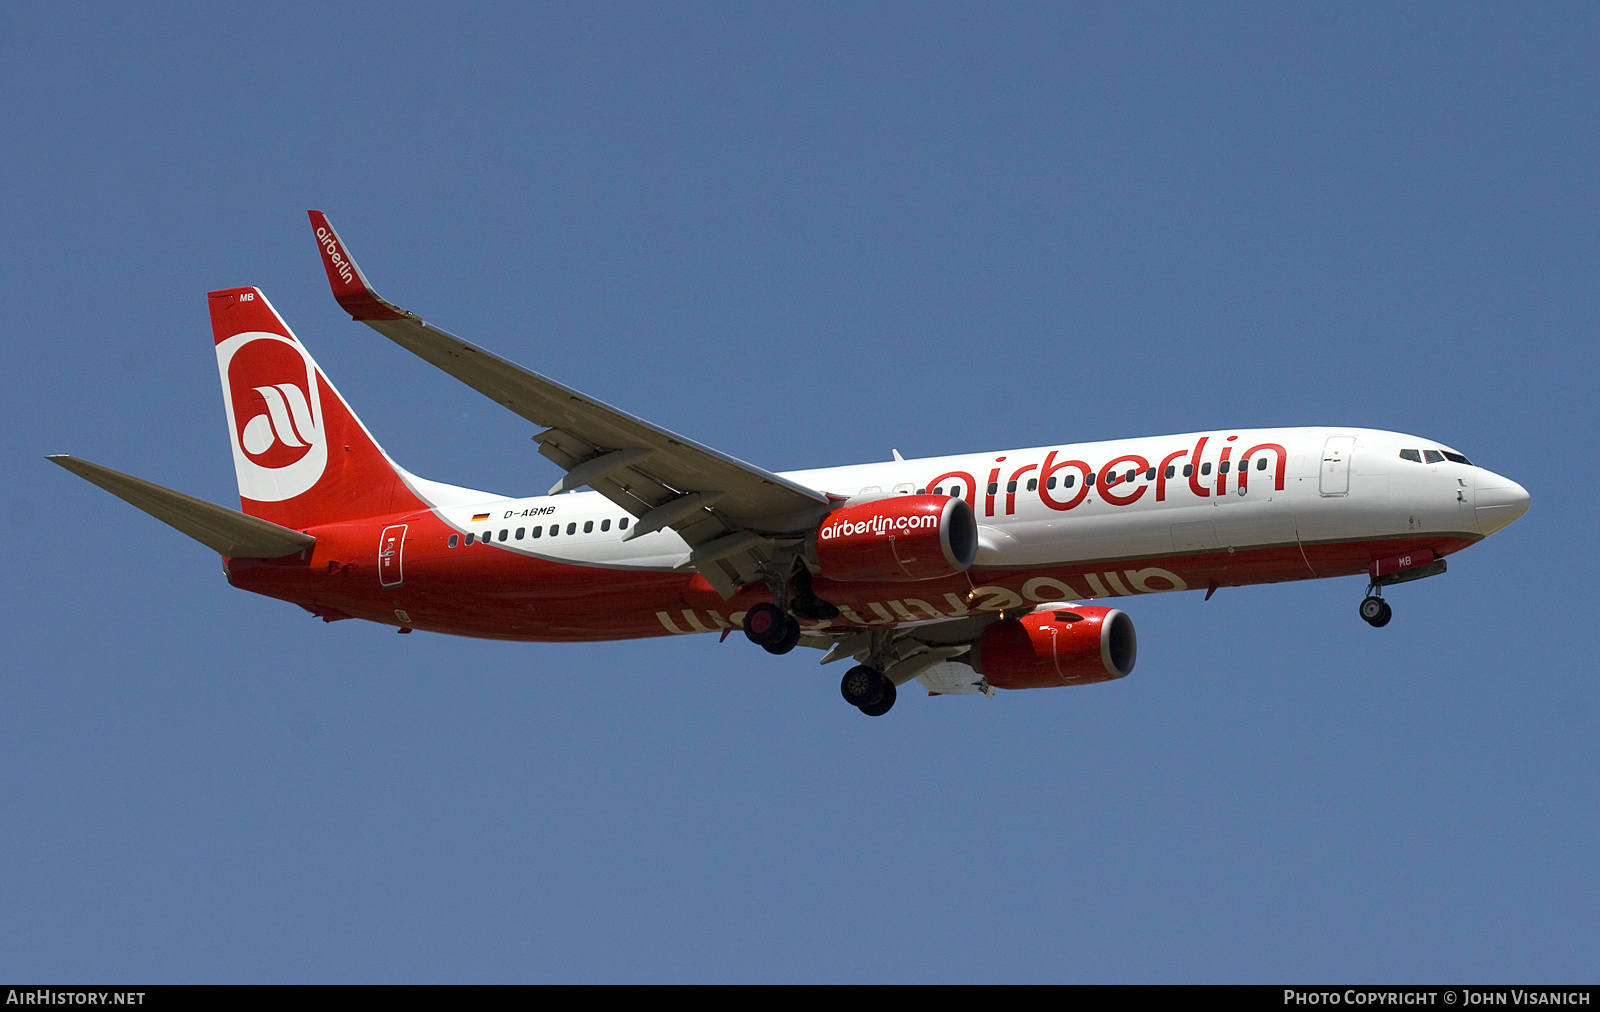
283 400
335 254
274 415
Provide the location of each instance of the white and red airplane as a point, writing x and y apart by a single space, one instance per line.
967 573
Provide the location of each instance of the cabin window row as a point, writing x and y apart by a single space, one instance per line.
521 533
1112 479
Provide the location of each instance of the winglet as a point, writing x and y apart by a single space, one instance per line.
350 287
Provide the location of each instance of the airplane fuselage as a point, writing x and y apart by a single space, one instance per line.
1070 522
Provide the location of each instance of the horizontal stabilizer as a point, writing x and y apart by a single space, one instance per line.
220 529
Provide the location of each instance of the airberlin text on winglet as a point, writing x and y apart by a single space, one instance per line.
335 254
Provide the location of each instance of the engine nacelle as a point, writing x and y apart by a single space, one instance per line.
1057 646
903 537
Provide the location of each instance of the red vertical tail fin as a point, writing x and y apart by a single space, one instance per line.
301 455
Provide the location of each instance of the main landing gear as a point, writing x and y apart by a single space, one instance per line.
804 600
863 687
775 630
768 627
867 690
1375 611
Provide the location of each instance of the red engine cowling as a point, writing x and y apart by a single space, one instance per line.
903 537
1058 646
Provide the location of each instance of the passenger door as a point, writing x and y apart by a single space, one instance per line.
1335 476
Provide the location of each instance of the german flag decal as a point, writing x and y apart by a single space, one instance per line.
479 518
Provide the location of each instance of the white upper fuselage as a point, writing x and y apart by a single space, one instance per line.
1338 484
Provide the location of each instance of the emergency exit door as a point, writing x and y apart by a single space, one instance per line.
390 546
1336 453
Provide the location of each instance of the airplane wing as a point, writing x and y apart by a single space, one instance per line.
225 531
735 516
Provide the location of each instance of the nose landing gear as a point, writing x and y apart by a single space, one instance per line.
1375 611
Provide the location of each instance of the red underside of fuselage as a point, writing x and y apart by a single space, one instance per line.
486 591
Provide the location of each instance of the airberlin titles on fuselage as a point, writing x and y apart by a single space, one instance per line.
1138 473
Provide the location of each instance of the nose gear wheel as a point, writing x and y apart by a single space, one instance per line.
1375 611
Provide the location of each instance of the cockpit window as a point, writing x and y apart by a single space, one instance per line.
1433 456
1411 455
1458 458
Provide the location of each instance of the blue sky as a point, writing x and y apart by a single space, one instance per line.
804 234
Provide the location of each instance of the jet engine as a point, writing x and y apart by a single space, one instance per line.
903 537
1057 646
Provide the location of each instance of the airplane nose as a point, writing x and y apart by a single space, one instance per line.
1499 501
